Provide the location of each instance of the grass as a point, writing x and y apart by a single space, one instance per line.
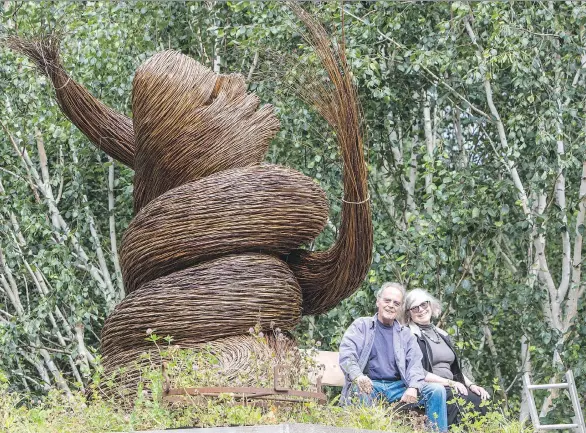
57 414
144 409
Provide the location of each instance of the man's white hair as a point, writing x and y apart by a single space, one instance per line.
385 286
417 297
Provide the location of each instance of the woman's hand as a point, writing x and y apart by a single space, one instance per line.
460 387
478 390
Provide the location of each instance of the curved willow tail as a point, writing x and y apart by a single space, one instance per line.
327 277
107 129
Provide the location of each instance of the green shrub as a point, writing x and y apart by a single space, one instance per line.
144 408
57 414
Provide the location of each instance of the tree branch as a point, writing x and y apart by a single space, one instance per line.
462 157
560 196
496 118
79 330
9 285
252 67
42 158
42 285
61 383
16 149
525 368
544 273
425 68
40 367
577 289
60 227
506 258
495 357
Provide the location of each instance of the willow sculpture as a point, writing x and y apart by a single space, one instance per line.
215 244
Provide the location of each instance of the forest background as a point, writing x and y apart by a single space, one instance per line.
476 146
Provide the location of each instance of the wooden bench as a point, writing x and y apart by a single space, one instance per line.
330 375
333 376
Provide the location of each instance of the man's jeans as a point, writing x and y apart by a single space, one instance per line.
432 396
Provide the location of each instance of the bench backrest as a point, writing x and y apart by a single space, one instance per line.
333 375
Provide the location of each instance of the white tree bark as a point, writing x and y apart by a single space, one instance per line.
79 333
42 182
43 288
252 67
493 351
496 118
570 289
60 228
9 282
430 148
525 367
112 223
40 367
400 145
462 154
576 291
112 296
9 285
57 376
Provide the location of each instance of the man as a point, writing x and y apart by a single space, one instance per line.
381 359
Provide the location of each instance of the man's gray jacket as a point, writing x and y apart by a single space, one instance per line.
356 346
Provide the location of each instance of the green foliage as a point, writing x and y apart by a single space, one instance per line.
494 420
202 367
59 413
447 217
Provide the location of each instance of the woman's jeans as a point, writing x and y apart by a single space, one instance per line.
432 396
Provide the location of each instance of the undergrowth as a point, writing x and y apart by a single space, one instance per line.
144 408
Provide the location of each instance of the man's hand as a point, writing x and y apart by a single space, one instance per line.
364 384
410 396
478 390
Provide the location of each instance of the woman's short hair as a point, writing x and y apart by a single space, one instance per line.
416 297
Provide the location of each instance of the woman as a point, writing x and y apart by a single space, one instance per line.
439 356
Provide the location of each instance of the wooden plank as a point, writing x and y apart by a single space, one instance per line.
333 375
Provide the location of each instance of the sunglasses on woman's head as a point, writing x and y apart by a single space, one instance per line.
420 307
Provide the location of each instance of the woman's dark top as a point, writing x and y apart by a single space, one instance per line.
443 356
430 352
436 358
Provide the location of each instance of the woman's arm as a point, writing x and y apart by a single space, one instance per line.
434 378
476 389
467 381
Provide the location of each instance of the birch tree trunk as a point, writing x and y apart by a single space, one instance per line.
428 129
560 305
61 229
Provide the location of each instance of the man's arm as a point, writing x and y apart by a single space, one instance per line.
415 374
352 341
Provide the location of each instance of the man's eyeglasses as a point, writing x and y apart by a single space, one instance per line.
420 307
387 301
